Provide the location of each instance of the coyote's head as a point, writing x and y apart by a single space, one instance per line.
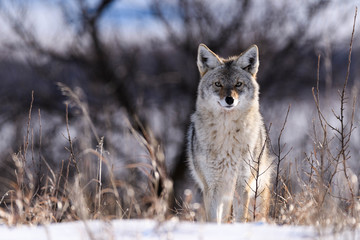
228 83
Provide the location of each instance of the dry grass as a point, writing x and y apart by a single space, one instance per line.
328 194
75 191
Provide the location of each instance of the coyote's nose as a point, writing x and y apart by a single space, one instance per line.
229 100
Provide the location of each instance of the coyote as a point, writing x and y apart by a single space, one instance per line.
227 142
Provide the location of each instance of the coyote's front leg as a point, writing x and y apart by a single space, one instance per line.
241 202
259 206
218 200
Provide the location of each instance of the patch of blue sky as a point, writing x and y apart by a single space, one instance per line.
134 20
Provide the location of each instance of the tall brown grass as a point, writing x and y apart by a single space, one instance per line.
74 191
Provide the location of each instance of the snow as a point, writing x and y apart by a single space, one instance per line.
174 230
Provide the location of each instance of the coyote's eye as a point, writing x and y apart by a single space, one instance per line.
218 84
239 84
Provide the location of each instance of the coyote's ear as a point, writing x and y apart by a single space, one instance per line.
249 60
206 59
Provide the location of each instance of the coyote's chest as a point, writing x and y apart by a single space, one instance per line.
226 140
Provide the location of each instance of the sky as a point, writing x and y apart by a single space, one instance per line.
132 18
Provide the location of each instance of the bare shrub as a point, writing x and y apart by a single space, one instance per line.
328 193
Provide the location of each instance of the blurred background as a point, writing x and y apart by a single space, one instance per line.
133 62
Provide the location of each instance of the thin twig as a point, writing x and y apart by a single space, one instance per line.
72 154
26 142
344 141
279 160
100 149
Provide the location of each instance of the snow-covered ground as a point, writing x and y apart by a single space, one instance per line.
172 230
